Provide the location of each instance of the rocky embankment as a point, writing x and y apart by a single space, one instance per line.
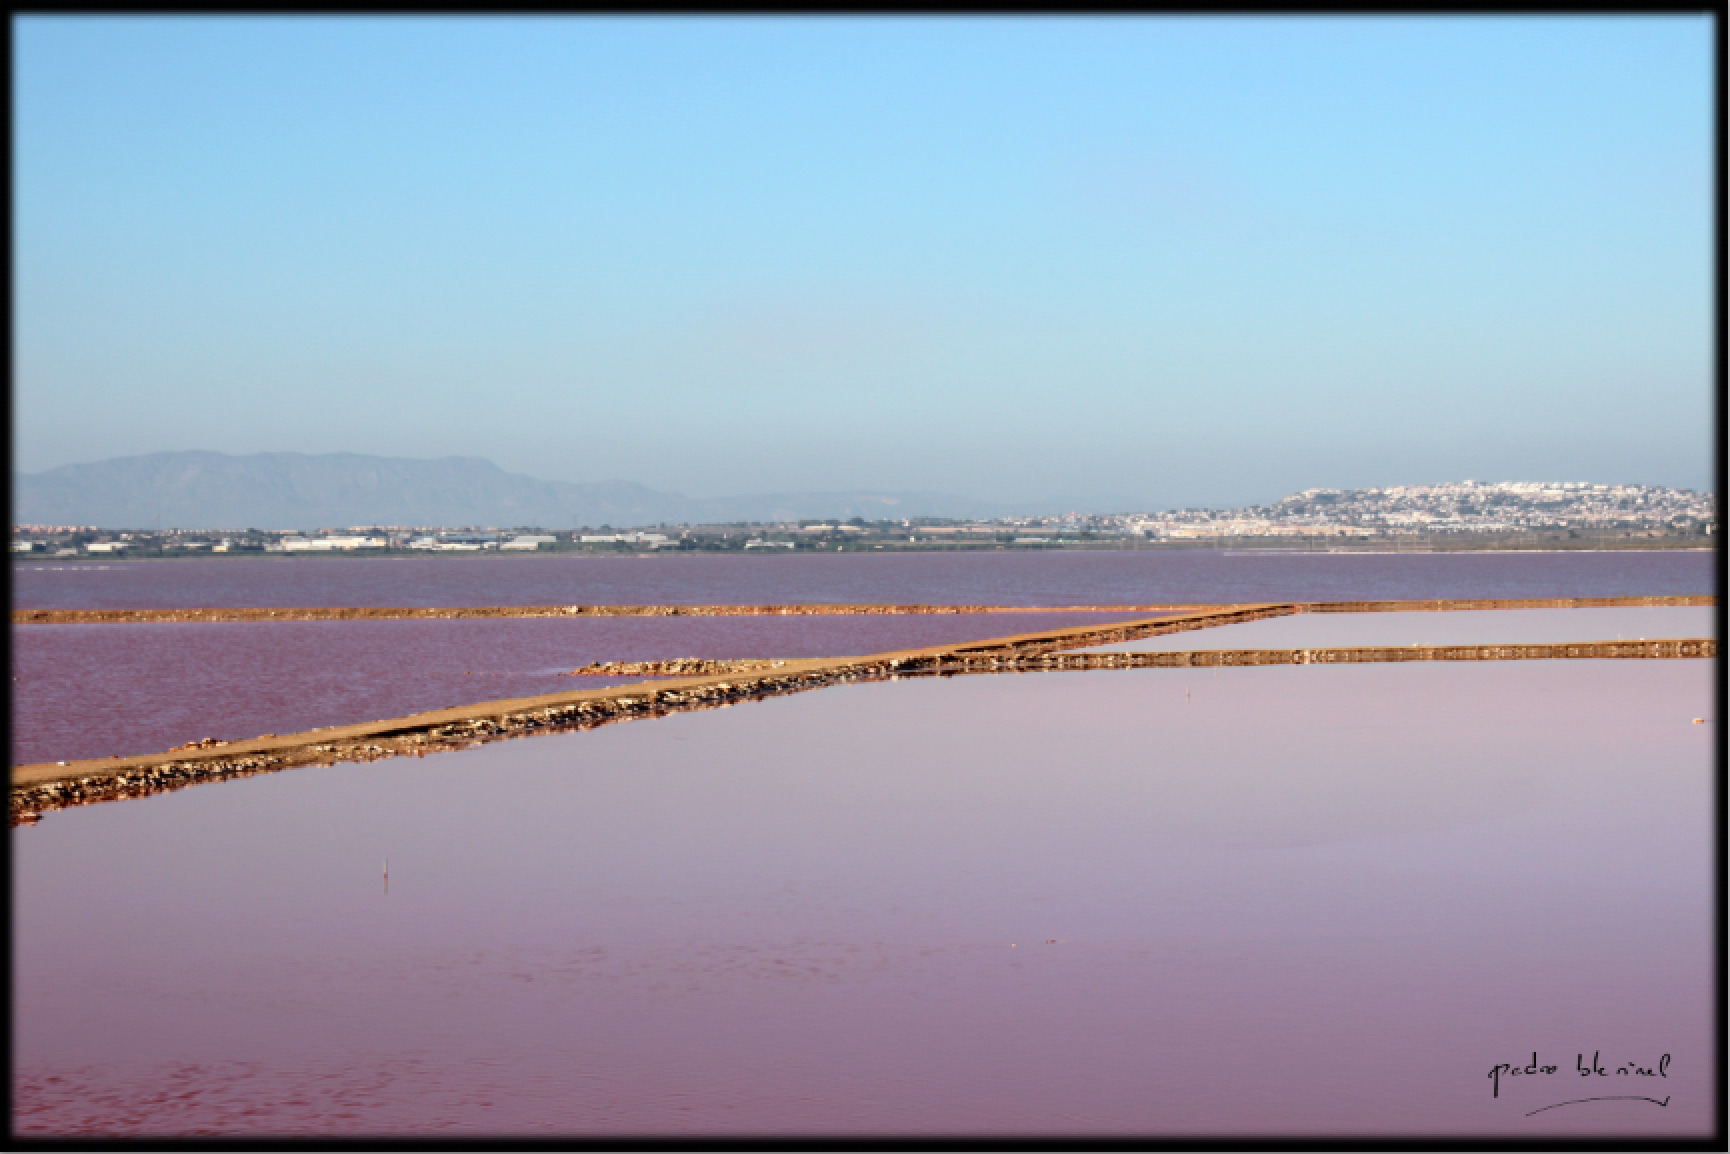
388 613
1338 655
1501 603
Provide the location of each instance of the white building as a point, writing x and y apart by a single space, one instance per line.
653 539
529 543
326 544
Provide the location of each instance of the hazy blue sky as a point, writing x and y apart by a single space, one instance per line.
1184 260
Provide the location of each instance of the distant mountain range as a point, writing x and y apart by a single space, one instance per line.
207 490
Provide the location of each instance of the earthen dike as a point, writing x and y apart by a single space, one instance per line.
40 788
127 616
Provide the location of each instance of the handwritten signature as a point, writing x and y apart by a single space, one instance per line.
1596 1069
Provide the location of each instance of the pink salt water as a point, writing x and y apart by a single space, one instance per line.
1146 577
1327 901
99 690
108 690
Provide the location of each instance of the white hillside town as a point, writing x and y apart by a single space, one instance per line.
1463 506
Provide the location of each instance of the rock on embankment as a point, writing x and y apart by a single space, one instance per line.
677 667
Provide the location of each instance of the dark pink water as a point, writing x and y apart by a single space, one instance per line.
99 690
1301 901
996 578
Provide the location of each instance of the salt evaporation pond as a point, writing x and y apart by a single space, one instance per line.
1447 627
997 577
1319 900
144 687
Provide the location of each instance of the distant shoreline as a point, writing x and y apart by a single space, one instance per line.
1233 546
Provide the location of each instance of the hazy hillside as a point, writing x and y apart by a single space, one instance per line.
198 490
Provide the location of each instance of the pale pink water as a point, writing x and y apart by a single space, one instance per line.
992 578
1304 901
99 690
1449 627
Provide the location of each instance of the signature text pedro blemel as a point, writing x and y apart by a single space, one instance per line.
1594 1069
